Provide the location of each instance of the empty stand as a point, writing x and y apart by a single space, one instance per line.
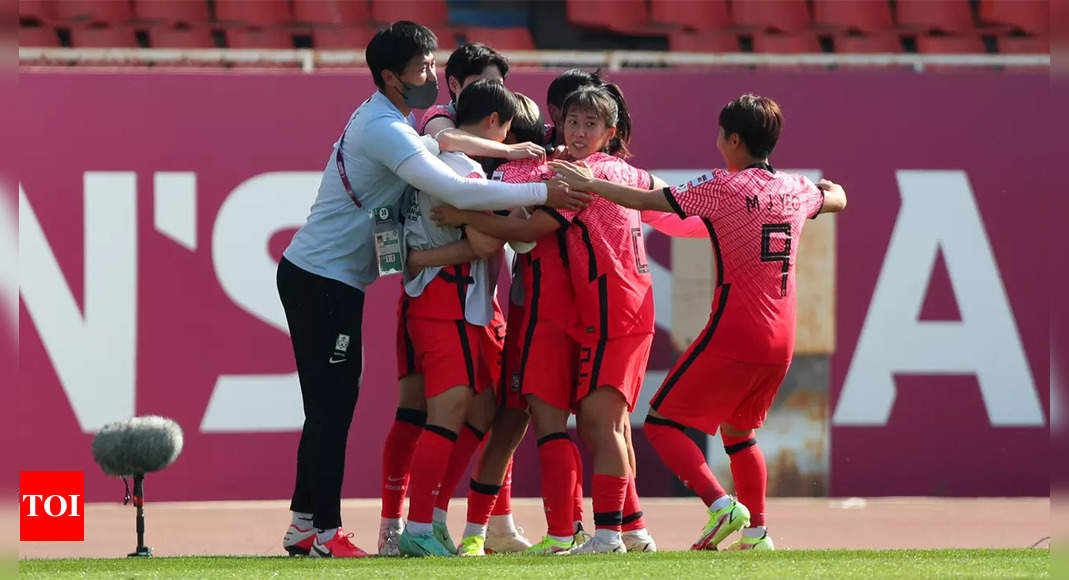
42 36
342 38
181 37
254 12
782 15
624 16
241 37
703 41
786 43
500 38
691 14
1031 16
334 12
188 11
103 37
868 43
111 11
426 12
963 44
861 15
1024 44
40 11
935 15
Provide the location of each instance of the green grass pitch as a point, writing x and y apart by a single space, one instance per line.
869 564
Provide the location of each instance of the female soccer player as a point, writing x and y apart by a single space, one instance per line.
728 378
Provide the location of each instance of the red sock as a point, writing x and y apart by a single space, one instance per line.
467 443
633 519
503 505
397 459
609 493
577 495
683 458
428 467
558 481
750 473
481 501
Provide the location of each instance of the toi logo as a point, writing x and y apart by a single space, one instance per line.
51 506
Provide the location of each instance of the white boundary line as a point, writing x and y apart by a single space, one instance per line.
309 60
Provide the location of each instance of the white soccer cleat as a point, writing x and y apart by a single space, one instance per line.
596 545
639 541
388 540
511 542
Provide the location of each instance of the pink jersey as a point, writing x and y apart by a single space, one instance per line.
448 111
607 260
755 219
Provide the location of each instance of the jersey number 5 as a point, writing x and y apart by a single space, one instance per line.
784 256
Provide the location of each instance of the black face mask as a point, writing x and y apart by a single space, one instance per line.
420 96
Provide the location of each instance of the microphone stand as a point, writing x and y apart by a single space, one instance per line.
142 550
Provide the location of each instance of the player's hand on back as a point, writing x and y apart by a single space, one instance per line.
447 215
577 175
526 150
560 196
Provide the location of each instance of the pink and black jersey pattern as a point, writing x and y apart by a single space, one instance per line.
755 219
448 111
608 264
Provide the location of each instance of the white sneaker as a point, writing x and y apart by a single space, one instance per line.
388 539
596 545
639 541
511 542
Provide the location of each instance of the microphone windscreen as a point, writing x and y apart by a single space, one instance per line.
137 446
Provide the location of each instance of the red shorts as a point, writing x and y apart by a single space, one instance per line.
508 388
446 352
705 389
491 346
615 362
548 362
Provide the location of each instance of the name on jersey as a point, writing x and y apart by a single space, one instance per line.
788 202
694 182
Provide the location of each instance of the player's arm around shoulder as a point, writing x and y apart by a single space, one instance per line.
580 178
834 196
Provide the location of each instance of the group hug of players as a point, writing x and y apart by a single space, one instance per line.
580 320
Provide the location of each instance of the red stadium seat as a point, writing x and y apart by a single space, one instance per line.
863 15
1014 44
42 36
40 11
691 14
426 12
112 11
782 15
181 37
188 11
1031 16
103 37
965 44
786 43
713 41
334 12
501 38
943 15
623 16
868 44
259 38
254 12
343 38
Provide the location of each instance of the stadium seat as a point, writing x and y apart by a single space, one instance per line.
333 12
964 44
103 37
189 11
623 16
868 44
242 37
1017 44
111 11
941 15
181 37
786 43
342 38
254 12
38 36
862 15
500 38
691 14
781 15
712 41
426 12
39 11
1031 16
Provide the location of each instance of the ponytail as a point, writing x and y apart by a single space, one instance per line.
618 145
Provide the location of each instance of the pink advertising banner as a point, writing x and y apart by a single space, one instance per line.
153 208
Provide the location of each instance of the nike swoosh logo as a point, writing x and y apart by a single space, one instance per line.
322 553
335 361
388 478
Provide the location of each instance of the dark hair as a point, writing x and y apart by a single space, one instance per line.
568 82
528 124
395 46
472 59
609 104
757 120
483 97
